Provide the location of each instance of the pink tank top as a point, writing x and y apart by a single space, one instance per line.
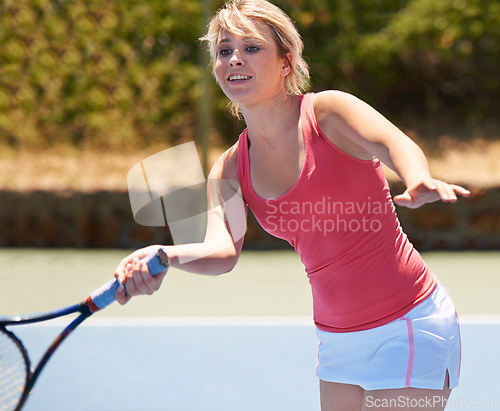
340 218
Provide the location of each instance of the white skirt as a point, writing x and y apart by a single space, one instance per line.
415 350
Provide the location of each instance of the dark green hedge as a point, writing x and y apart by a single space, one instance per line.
115 74
99 73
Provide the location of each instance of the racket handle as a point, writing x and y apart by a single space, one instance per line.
105 295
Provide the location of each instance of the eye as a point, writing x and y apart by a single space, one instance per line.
252 49
224 52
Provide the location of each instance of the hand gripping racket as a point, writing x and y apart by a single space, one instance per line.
16 377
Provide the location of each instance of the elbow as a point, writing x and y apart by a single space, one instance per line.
224 265
225 260
230 264
209 258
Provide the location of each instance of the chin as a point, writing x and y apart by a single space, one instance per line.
240 99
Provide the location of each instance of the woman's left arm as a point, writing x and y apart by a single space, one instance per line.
359 130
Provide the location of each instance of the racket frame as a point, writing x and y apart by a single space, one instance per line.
33 374
27 362
157 262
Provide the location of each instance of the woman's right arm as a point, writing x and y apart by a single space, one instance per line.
221 248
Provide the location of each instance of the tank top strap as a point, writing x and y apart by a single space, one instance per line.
308 118
244 165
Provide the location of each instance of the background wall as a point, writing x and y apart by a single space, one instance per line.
104 219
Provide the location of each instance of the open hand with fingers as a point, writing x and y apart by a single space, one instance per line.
430 191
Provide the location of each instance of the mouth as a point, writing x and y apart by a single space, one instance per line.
238 77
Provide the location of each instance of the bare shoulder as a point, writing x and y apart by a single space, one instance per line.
334 103
337 114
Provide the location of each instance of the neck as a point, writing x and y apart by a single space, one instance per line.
268 120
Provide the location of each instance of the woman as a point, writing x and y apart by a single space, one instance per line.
309 167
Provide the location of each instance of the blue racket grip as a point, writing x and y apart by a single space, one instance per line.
105 295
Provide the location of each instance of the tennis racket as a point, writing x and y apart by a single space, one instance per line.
16 376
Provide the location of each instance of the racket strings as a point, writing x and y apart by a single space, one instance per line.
13 371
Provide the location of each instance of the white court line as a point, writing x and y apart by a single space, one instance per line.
200 321
225 321
479 319
179 322
197 321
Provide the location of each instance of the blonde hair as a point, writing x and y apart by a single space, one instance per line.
239 17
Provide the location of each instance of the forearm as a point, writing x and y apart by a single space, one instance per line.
410 163
210 258
407 159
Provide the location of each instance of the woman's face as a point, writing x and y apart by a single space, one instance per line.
250 70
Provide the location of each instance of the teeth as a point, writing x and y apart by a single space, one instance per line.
239 77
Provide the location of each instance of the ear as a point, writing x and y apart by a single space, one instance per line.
286 68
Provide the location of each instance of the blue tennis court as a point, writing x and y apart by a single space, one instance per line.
213 367
239 342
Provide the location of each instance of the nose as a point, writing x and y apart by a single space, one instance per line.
236 59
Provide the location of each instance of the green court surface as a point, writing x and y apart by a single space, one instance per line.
271 284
